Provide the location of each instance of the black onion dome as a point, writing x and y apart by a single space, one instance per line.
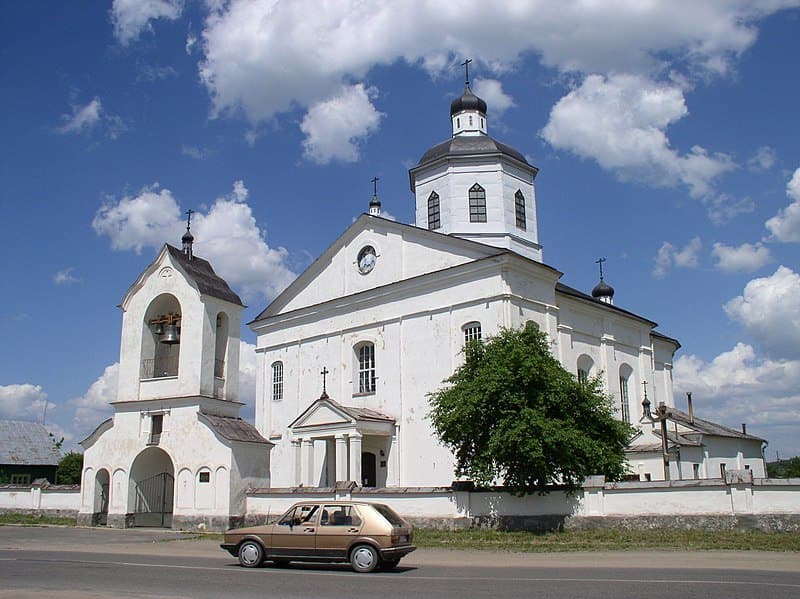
602 289
467 101
374 202
187 237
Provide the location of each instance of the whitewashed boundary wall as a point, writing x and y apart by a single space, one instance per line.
737 502
41 499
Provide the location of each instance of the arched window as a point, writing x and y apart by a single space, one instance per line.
519 209
585 364
472 332
477 204
221 345
365 354
277 381
434 216
625 373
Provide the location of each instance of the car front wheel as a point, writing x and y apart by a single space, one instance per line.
364 558
251 554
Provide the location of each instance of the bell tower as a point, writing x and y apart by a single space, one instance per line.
180 330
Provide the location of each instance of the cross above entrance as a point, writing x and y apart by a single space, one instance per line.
324 374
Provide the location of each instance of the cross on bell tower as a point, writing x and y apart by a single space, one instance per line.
375 203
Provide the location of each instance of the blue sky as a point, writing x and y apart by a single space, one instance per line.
665 134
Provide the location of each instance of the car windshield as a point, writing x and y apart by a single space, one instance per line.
388 513
299 514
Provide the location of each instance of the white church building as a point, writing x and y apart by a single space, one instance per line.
348 354
379 320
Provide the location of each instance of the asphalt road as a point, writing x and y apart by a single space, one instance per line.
45 562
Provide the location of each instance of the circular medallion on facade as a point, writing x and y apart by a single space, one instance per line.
165 273
366 259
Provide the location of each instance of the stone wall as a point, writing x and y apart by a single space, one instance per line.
41 499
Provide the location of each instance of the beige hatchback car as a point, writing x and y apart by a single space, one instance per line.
368 535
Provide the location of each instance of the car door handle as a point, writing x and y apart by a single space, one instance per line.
308 530
352 530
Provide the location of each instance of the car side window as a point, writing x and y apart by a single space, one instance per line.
300 514
339 515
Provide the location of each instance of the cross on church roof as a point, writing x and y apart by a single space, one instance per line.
324 374
600 262
465 64
375 186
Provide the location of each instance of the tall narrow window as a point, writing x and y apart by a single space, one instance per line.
472 332
156 428
519 209
434 215
623 399
366 368
477 204
277 381
585 364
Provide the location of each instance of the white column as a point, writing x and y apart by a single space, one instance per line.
355 458
341 458
308 462
394 455
296 448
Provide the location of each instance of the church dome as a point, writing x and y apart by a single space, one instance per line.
470 146
467 101
602 289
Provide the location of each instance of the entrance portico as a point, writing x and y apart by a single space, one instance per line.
335 443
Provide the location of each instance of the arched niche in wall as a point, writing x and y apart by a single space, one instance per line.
161 333
585 366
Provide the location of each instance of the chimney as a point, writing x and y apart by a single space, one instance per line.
691 410
744 428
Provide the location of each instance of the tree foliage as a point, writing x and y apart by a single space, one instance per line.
784 468
512 413
69 469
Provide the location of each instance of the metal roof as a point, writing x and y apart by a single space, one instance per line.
234 429
27 443
466 145
201 272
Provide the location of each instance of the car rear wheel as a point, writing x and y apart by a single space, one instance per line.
251 554
364 558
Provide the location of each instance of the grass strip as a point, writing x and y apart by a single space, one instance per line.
33 520
607 540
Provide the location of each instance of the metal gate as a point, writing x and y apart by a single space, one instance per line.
102 515
154 501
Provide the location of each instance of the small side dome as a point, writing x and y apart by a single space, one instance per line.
467 101
187 237
602 290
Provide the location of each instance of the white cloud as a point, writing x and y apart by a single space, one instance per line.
65 277
83 118
668 256
227 235
620 121
491 90
738 386
334 127
762 160
93 407
131 17
769 311
247 378
785 226
723 207
23 402
196 152
747 257
145 220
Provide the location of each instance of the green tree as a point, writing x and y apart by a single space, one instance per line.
512 413
784 468
69 469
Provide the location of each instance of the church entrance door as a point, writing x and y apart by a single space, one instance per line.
369 471
152 489
101 488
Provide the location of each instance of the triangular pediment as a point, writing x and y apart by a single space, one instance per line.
402 252
322 413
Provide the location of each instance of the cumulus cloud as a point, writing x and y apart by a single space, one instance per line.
769 311
762 160
65 277
196 152
620 121
739 386
491 90
247 378
785 226
131 17
23 402
334 127
227 235
93 407
747 257
669 256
